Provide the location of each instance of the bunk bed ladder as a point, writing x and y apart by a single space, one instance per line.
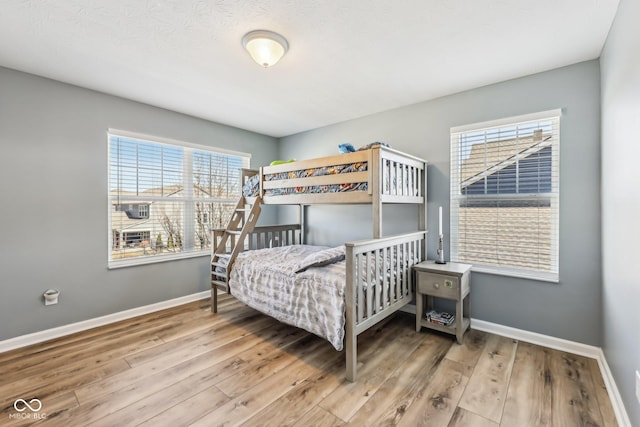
229 244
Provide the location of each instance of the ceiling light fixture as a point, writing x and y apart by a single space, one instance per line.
265 47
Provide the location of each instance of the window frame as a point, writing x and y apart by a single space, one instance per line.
143 210
457 196
187 166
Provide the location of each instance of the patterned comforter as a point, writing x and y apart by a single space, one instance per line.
313 300
251 188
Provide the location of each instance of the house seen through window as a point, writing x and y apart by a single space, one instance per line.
505 195
167 196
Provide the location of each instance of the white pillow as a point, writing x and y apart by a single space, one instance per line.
321 258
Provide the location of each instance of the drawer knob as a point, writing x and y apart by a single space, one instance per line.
436 285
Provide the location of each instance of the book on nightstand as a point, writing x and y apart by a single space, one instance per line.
441 318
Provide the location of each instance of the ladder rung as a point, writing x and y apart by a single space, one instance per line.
219 273
220 284
219 264
236 232
243 210
222 255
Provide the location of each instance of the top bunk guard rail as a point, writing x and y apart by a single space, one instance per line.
391 177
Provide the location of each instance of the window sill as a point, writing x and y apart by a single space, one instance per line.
154 259
531 275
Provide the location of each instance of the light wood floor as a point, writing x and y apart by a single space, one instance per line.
186 366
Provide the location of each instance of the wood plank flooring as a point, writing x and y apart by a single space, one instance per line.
187 367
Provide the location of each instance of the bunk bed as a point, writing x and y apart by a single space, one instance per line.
371 279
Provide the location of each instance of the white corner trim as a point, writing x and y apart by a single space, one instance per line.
37 337
590 351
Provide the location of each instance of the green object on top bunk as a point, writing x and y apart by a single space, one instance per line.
279 162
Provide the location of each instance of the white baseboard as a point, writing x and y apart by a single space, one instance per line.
37 337
590 351
536 338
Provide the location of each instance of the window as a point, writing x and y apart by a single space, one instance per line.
143 211
505 195
167 196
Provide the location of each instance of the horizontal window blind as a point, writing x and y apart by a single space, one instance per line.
505 195
166 198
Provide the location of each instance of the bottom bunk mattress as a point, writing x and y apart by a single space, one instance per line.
300 285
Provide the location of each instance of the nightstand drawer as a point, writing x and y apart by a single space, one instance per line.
438 285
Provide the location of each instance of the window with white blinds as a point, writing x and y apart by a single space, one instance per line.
166 196
505 195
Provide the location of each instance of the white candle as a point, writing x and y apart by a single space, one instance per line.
440 221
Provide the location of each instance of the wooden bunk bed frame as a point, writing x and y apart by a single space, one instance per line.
391 177
386 166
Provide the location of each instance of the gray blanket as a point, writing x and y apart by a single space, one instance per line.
312 299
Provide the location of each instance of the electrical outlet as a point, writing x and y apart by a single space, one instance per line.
638 386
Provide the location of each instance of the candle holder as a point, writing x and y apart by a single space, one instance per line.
440 250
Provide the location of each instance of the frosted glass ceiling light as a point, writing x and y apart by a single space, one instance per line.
265 47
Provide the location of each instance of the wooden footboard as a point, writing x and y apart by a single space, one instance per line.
269 236
273 236
379 283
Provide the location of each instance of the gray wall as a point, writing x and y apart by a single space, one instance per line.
53 171
570 309
620 64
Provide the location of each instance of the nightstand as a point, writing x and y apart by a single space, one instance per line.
451 281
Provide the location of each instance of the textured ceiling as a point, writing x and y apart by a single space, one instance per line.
347 58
